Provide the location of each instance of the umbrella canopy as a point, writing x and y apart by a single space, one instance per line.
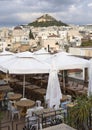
6 53
90 79
24 63
42 54
64 61
41 51
5 56
25 54
53 94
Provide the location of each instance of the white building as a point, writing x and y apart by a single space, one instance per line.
20 35
81 51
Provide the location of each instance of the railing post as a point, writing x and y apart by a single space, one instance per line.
12 124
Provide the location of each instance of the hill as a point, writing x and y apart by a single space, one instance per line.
45 21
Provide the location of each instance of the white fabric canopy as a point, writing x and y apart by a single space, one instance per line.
43 57
5 56
53 94
6 53
90 79
41 51
24 63
25 54
42 54
64 61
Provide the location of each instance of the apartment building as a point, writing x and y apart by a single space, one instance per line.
81 51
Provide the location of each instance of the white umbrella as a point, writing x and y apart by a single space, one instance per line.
63 61
53 94
41 51
23 64
90 79
25 54
42 54
5 55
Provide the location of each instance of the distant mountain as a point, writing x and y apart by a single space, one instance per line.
45 18
45 21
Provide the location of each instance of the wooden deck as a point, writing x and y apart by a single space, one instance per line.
8 124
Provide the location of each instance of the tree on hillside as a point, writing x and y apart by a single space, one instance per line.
47 24
31 35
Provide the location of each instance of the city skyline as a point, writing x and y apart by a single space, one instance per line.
17 12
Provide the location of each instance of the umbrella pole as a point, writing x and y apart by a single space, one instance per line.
7 78
63 81
24 86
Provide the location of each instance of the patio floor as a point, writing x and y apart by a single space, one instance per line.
8 124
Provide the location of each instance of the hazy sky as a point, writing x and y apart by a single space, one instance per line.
16 12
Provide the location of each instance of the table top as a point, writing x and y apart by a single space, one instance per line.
21 83
40 91
13 80
5 88
64 98
42 111
32 87
59 127
72 104
37 77
45 112
25 103
15 96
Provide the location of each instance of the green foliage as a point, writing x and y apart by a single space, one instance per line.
47 24
86 43
31 35
79 114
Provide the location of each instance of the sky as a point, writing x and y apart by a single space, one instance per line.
17 12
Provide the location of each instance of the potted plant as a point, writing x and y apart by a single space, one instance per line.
80 113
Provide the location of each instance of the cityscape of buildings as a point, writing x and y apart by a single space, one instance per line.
53 38
49 83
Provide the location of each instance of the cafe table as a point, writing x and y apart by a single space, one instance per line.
42 111
20 83
15 96
5 88
41 91
46 113
64 98
24 105
72 104
32 87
